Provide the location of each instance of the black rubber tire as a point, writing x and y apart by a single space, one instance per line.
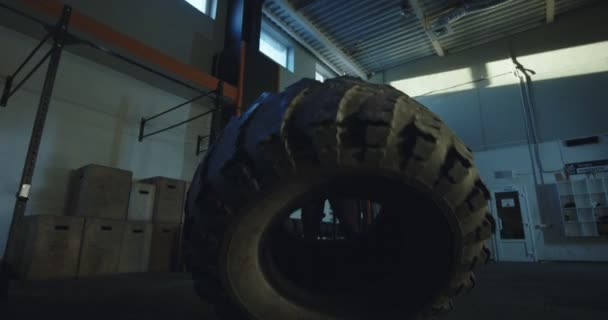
4 281
312 135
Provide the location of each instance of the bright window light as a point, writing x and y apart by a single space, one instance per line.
322 74
205 6
319 76
274 49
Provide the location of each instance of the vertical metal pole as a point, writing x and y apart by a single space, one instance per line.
217 116
370 213
8 84
142 127
59 35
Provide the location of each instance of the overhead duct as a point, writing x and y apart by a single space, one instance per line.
440 25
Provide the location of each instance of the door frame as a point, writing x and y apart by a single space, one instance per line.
525 215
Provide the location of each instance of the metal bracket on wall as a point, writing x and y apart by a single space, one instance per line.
217 94
8 84
52 32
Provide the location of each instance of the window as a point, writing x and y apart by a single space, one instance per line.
276 50
319 76
207 7
322 73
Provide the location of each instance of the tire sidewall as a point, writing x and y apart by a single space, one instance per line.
240 264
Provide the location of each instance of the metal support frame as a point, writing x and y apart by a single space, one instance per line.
327 43
8 85
217 94
58 34
527 104
73 39
415 4
287 29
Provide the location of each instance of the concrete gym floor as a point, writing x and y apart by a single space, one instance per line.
504 291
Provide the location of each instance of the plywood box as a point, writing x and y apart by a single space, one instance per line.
180 244
100 249
48 246
135 249
169 199
163 251
141 203
100 192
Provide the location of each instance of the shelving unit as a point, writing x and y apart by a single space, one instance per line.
584 205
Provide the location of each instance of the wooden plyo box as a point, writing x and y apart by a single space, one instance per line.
49 246
100 249
141 203
135 249
169 199
100 192
164 248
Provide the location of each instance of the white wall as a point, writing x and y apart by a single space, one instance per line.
173 27
551 244
94 118
477 95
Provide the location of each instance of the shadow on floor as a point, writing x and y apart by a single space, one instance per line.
129 296
525 291
519 291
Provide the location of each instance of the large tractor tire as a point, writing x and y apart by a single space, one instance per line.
341 138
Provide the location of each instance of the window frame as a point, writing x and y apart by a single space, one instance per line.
324 72
319 76
279 38
209 9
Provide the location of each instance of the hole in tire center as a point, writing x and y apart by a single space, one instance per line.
382 244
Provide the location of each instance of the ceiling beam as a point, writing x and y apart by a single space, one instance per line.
307 26
290 32
300 4
550 9
415 5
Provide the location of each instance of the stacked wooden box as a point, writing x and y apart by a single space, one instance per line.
48 247
167 217
113 225
100 195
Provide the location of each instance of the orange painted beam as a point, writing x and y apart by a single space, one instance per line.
100 31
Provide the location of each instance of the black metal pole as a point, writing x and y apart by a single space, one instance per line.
8 83
179 105
59 34
31 72
142 127
216 118
175 125
143 121
32 53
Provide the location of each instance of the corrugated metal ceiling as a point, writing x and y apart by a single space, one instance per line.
377 36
